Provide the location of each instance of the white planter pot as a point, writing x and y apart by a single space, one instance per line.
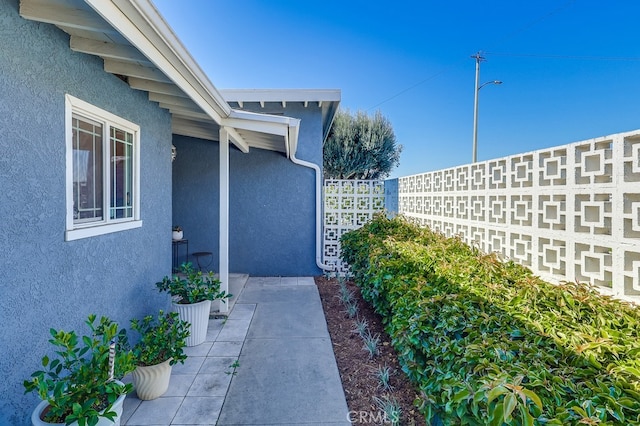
117 407
176 235
152 381
196 314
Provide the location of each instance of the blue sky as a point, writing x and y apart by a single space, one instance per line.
571 69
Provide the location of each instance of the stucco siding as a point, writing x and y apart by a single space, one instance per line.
46 281
272 202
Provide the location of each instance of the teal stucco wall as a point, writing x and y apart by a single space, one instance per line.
272 201
45 281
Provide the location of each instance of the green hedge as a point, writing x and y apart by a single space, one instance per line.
487 342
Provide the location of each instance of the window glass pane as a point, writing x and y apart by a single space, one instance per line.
121 174
87 170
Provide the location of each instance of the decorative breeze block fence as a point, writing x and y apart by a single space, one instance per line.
348 204
570 213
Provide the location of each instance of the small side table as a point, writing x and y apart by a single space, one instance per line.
176 245
203 255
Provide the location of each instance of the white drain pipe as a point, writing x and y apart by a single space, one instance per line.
291 153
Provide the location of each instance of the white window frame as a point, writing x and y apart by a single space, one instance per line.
75 231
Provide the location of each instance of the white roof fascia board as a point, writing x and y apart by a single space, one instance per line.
141 24
273 124
281 95
327 99
292 139
130 26
267 118
286 127
255 126
134 40
164 31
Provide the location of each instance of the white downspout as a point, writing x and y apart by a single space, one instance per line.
291 151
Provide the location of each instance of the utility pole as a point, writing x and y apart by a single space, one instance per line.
479 58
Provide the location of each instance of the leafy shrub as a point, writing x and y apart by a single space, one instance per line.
489 343
76 383
191 286
161 338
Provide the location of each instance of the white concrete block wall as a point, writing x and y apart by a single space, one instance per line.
348 204
570 213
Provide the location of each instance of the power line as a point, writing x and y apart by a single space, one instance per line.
408 89
576 57
506 37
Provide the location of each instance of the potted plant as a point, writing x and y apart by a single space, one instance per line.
177 233
80 386
192 293
161 345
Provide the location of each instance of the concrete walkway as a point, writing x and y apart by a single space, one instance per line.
286 372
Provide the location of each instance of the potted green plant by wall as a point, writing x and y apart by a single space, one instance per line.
81 386
192 293
161 345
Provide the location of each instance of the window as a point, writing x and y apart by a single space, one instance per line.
103 169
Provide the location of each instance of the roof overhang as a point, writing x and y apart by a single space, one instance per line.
138 45
276 100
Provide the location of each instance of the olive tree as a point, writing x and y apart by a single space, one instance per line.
360 147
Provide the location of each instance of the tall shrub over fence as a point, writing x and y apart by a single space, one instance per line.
489 343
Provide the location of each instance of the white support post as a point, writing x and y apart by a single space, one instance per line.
224 216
